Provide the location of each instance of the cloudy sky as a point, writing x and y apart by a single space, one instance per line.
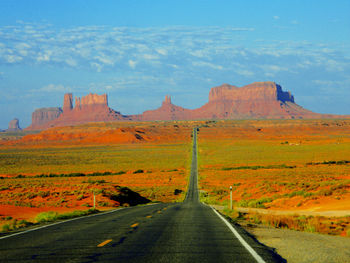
139 51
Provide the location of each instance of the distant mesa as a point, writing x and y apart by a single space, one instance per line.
259 100
42 116
14 125
90 108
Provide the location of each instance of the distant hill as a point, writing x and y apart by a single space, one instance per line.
259 100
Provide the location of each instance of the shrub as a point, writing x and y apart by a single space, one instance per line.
310 228
31 195
53 216
80 197
44 194
140 171
6 228
23 223
325 192
90 181
242 203
233 214
177 191
259 203
73 214
46 217
104 204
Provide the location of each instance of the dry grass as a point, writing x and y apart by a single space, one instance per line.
285 165
319 224
62 176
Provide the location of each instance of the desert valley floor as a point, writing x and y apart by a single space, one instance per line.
291 174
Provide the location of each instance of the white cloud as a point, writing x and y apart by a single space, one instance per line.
269 74
273 68
71 62
150 57
54 88
44 57
162 51
132 63
198 53
13 58
207 64
245 73
97 66
185 52
108 87
333 65
104 59
343 83
276 17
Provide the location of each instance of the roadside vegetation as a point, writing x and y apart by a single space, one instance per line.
45 217
279 165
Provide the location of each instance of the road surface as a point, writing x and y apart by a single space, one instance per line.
181 232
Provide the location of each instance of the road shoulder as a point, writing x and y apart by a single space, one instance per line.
296 246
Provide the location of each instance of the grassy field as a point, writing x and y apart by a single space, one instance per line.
281 165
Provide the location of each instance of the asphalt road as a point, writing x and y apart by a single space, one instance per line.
182 232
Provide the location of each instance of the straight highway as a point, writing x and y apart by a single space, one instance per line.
180 232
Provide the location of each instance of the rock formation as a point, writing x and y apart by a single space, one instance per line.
265 91
90 108
14 125
259 100
167 111
94 99
68 102
264 100
42 116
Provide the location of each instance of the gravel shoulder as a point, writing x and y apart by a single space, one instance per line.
301 247
328 213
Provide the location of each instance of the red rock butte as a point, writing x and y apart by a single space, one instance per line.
259 100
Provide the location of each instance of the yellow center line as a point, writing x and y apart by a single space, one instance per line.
134 225
104 243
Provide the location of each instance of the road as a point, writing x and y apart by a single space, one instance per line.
181 232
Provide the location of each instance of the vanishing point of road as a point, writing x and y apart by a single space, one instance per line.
175 232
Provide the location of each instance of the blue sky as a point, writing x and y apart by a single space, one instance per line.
139 51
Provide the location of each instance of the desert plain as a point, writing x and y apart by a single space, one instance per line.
285 173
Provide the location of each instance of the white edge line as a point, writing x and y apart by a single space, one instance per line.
68 220
240 238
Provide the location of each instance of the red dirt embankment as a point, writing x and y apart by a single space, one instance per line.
109 133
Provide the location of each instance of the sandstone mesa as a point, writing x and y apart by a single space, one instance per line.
14 125
259 100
